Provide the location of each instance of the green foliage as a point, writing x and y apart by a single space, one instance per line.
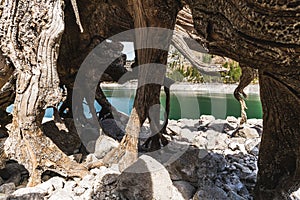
181 71
234 72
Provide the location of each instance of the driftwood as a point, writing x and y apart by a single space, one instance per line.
261 34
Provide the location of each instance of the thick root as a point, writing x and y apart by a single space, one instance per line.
127 151
155 142
38 154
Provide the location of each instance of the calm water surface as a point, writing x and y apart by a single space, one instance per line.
189 104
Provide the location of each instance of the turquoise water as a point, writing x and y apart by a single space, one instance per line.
188 104
184 104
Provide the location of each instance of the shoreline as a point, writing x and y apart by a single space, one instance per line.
193 87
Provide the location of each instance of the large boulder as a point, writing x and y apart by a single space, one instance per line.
146 179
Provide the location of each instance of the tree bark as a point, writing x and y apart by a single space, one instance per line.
30 36
279 165
265 36
150 78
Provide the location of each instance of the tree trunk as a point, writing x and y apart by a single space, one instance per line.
30 36
265 36
151 77
279 164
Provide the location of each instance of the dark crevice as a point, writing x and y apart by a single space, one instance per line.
267 42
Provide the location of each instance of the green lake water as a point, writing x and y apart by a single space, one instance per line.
189 104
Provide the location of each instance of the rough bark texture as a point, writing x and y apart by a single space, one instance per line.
263 35
260 34
30 34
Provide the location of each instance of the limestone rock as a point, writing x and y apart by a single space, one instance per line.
248 133
187 134
232 119
185 188
145 179
221 126
210 192
295 195
30 193
103 145
185 167
250 144
206 119
61 194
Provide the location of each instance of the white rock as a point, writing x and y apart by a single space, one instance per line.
189 123
61 194
229 152
218 125
188 134
206 119
295 195
28 190
87 181
7 188
242 148
146 179
200 142
176 194
232 119
91 158
103 145
87 195
233 146
70 185
250 144
248 132
79 190
252 121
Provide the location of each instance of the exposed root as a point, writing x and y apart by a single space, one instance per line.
43 155
127 151
155 142
246 78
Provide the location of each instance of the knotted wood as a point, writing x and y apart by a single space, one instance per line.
30 36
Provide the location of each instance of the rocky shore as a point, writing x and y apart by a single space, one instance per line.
206 158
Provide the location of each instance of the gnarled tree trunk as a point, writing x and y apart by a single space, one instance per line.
263 35
30 36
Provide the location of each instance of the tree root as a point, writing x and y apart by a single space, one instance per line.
38 154
155 142
247 77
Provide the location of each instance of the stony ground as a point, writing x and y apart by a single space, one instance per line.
205 159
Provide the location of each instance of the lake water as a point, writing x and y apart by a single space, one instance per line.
190 104
184 103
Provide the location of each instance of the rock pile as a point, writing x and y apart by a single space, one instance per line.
206 159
